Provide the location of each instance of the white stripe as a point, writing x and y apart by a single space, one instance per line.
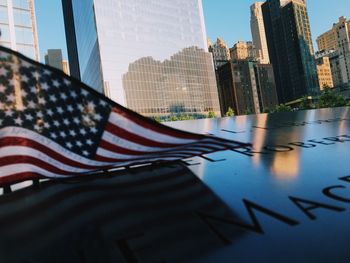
12 169
121 142
22 168
129 125
27 151
27 134
109 154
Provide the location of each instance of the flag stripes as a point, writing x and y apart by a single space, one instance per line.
87 134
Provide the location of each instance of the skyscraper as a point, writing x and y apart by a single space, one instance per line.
338 39
247 87
220 51
243 50
290 48
53 58
258 33
150 56
18 27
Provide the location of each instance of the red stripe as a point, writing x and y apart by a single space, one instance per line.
129 136
117 149
19 141
155 126
145 159
23 159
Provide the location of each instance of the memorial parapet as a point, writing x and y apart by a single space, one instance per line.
285 199
292 187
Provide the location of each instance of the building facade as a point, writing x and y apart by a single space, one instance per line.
243 50
247 87
150 56
53 58
220 51
18 27
258 33
290 48
327 41
338 39
324 73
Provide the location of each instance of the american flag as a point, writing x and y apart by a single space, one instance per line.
54 126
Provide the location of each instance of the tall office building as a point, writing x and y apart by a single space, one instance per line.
18 27
258 33
338 39
220 51
53 58
247 87
243 50
150 56
324 72
290 48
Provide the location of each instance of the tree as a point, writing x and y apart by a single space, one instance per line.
230 112
211 114
282 108
329 98
305 103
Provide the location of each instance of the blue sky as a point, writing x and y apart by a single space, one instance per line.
228 19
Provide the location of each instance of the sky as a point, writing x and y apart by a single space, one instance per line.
228 19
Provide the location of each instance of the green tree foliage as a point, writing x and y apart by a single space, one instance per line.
211 114
305 103
230 112
329 98
282 108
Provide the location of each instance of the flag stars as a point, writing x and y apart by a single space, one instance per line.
55 83
63 96
76 120
82 132
39 114
70 108
9 113
97 117
72 133
89 142
56 123
29 117
18 121
10 98
84 92
31 104
53 135
86 153
60 110
63 134
78 143
74 94
41 100
36 75
69 145
34 90
50 112
52 98
2 88
45 86
66 122
3 71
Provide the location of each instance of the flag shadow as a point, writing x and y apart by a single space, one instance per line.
146 214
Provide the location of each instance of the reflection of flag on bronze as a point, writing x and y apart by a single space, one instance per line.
151 214
52 125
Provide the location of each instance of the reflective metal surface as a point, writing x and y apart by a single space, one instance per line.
292 188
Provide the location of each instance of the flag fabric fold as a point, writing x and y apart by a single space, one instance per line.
52 125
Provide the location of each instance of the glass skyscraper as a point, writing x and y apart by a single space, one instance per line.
147 55
18 27
290 48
